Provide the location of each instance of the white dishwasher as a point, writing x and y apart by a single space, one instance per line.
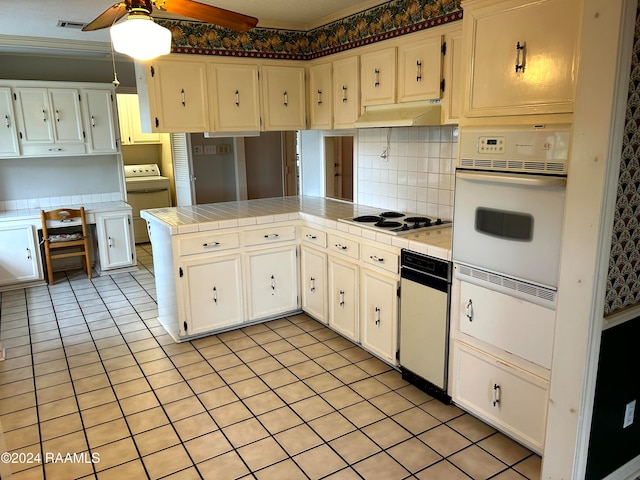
146 189
425 291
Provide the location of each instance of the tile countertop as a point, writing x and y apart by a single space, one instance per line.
321 211
33 214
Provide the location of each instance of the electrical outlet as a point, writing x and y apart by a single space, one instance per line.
629 412
197 149
209 149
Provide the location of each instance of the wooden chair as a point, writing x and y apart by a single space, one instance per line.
74 244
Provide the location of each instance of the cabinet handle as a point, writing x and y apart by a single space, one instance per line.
6 117
311 237
93 121
109 242
58 116
497 393
377 81
419 70
319 97
272 235
215 295
376 259
340 246
28 254
377 316
312 284
44 115
237 98
207 245
273 285
469 310
184 99
286 99
342 298
344 93
520 53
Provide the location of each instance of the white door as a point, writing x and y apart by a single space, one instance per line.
115 241
379 314
313 268
8 131
183 170
212 293
273 282
19 260
100 121
343 297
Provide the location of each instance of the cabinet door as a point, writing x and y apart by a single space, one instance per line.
130 125
236 98
511 399
320 96
528 49
272 286
313 268
284 98
420 70
343 297
212 293
451 96
100 121
378 77
8 131
181 97
115 240
35 115
379 314
346 92
66 116
19 255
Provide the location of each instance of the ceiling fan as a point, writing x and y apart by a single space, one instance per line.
188 8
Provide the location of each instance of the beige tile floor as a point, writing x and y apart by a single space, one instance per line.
90 372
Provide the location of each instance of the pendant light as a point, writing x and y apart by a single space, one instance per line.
140 37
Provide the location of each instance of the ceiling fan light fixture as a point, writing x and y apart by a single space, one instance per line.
140 37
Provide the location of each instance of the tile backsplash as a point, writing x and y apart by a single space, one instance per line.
408 168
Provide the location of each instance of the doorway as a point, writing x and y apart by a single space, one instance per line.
338 154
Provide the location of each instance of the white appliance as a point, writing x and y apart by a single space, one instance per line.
508 214
146 189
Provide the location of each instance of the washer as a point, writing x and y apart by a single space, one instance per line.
146 189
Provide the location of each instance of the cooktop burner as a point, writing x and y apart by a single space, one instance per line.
397 223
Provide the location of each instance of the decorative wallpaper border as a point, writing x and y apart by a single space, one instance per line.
388 20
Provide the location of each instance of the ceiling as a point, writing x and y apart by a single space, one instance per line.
31 25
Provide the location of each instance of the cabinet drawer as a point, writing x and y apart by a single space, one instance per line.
380 258
207 243
313 236
503 395
264 236
519 327
347 247
48 150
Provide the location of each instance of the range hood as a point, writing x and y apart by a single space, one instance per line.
412 114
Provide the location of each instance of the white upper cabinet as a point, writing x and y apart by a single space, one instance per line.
346 91
378 77
320 96
521 57
420 69
181 96
99 117
8 132
235 99
283 94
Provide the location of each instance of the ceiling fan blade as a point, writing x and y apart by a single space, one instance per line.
209 14
107 18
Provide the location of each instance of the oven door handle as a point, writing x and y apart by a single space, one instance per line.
513 178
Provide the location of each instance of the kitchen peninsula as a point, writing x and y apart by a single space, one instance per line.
225 265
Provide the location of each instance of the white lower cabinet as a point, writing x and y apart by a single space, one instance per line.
343 297
272 281
19 259
313 282
513 400
115 240
379 314
211 290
